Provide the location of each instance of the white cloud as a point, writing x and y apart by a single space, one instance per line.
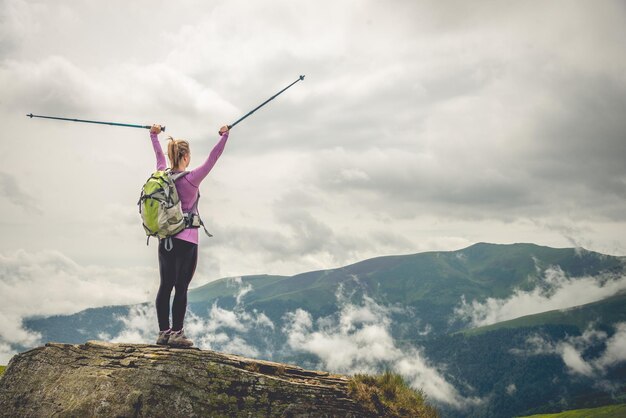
615 351
224 318
49 283
571 349
57 86
396 130
554 290
243 289
13 333
574 361
221 329
139 326
6 352
9 187
359 341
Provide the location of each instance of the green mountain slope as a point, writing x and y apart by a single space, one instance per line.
611 411
228 288
602 313
430 283
479 271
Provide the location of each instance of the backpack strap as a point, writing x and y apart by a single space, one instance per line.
176 176
189 218
204 227
197 210
194 209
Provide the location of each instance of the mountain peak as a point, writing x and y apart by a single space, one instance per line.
117 379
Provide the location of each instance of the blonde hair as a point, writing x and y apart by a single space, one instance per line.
176 150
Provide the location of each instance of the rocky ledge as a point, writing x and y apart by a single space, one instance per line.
100 379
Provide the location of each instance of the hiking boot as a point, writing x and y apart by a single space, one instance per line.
178 339
163 337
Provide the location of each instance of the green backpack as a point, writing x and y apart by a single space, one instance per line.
160 207
161 210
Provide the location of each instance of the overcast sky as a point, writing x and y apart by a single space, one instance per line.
421 125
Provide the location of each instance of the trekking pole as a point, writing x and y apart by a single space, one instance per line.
264 103
30 115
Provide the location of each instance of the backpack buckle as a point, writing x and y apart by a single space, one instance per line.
192 220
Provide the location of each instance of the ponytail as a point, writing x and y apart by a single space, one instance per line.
176 150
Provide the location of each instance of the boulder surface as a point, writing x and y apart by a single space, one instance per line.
99 379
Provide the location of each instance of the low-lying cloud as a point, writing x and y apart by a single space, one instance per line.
358 340
554 290
220 329
572 350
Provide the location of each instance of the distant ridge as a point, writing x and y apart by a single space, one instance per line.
431 284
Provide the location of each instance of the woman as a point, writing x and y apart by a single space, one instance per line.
178 264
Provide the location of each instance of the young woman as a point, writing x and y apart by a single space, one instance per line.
178 264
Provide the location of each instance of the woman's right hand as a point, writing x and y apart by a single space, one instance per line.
224 129
156 129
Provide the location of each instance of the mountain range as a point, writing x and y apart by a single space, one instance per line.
488 330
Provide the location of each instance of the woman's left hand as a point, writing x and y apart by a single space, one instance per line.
224 129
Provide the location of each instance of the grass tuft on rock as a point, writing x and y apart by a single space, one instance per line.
389 395
2 368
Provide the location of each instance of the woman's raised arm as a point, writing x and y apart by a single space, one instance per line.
198 174
158 151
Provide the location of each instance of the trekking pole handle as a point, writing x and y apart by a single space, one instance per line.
228 126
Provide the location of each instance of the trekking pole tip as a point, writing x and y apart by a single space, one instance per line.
301 77
30 115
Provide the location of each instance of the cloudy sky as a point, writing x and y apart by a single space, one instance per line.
421 125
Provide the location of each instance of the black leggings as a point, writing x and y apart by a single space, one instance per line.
177 267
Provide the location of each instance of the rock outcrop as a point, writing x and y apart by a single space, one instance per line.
139 380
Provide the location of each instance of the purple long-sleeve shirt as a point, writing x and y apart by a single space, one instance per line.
187 186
